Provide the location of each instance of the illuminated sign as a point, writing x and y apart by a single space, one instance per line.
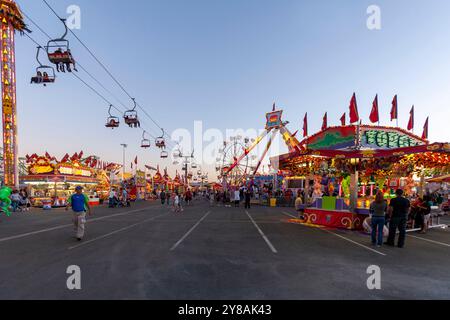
73 171
273 119
387 139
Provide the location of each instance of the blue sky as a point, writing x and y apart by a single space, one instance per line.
225 61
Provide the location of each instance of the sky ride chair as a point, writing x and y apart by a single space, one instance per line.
160 142
112 121
164 154
58 52
145 142
131 117
44 74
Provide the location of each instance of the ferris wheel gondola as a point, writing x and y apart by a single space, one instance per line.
112 121
58 52
44 74
131 116
145 142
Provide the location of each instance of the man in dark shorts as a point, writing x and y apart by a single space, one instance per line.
399 208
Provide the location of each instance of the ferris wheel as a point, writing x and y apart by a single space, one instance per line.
227 155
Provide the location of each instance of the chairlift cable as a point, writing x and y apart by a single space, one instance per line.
104 67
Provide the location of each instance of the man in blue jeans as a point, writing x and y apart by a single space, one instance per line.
80 204
399 208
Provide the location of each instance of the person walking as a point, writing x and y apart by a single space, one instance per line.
425 211
112 198
378 210
15 200
80 205
168 197
237 197
188 197
162 196
247 197
398 210
177 203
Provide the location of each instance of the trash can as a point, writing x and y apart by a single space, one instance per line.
273 202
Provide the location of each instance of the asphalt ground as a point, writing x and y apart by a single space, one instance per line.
149 252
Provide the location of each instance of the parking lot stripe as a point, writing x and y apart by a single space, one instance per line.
432 241
189 232
262 233
289 215
354 242
23 235
116 231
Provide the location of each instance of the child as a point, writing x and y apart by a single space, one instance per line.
177 203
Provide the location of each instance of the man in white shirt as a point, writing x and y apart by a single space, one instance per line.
237 197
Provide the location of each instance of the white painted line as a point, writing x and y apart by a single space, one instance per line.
189 232
34 232
290 215
432 241
354 242
116 231
262 233
23 235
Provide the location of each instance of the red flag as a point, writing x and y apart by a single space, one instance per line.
325 121
295 133
354 115
425 130
47 155
394 110
135 160
411 119
305 125
374 115
80 154
343 119
65 158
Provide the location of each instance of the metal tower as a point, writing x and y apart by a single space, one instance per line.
11 19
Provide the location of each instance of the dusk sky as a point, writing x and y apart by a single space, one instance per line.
225 62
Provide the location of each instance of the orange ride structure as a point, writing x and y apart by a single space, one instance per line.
274 124
11 20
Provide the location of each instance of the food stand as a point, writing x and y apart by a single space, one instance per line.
51 182
345 166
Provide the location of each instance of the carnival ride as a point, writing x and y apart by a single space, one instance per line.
145 143
112 121
11 19
233 163
229 152
131 116
58 51
44 74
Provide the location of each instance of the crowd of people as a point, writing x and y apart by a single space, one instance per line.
20 200
118 198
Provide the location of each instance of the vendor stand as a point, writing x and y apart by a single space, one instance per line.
345 166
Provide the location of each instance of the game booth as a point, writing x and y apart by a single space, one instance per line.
51 182
345 166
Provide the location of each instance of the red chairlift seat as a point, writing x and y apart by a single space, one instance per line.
160 142
164 154
145 143
44 74
131 117
58 50
112 121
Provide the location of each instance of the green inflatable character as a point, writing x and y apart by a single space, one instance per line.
5 200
